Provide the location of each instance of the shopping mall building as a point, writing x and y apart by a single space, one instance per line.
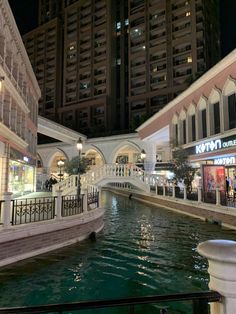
19 95
202 120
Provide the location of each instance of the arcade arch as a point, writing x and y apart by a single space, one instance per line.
94 157
127 153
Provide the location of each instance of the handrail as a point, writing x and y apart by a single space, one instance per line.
209 296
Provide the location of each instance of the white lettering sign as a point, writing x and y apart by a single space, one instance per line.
208 146
224 161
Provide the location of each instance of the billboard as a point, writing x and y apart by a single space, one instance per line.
213 177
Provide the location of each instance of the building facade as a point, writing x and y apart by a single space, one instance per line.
105 66
202 120
19 95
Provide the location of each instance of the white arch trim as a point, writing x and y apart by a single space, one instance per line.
214 96
93 147
175 119
191 110
120 146
202 103
229 86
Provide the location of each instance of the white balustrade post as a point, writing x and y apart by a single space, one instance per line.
99 196
156 189
164 190
58 204
217 196
173 190
6 214
85 201
185 193
221 255
199 194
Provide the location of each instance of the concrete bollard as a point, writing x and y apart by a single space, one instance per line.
199 194
164 190
217 196
185 193
221 255
6 214
173 190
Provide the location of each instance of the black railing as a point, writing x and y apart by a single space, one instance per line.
32 210
71 205
199 300
93 198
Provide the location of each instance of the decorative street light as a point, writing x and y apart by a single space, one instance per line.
79 146
60 164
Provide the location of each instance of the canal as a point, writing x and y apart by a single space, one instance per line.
143 250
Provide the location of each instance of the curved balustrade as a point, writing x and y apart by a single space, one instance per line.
106 174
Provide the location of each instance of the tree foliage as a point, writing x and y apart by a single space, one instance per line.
182 169
76 164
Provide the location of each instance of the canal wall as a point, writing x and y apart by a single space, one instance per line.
28 240
217 214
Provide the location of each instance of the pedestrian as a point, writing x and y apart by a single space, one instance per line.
227 185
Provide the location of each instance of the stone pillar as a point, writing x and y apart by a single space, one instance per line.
221 255
156 189
199 194
164 190
217 196
185 193
85 201
58 204
6 214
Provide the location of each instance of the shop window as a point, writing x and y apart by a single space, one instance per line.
232 111
216 115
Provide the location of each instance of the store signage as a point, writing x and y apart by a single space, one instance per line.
224 161
208 146
213 145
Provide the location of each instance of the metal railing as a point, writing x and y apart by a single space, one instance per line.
72 205
199 301
93 198
32 210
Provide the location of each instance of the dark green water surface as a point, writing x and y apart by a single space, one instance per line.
142 250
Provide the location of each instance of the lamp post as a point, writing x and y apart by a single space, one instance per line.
60 164
79 146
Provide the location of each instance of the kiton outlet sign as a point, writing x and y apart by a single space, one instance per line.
214 145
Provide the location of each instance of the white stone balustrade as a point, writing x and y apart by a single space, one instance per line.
221 255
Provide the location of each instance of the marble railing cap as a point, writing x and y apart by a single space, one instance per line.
218 250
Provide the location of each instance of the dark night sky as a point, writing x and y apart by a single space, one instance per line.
25 13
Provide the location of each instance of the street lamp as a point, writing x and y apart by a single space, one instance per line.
79 146
60 164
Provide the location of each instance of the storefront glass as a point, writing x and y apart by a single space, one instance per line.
21 177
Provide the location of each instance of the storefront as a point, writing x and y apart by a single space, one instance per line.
217 160
21 173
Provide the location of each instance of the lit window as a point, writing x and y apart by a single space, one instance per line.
126 22
154 70
118 61
190 60
188 13
118 25
144 47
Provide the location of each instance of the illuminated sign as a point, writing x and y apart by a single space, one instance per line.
26 159
214 145
224 161
208 146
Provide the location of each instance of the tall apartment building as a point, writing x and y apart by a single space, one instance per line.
104 66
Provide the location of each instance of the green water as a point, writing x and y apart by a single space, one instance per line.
142 250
